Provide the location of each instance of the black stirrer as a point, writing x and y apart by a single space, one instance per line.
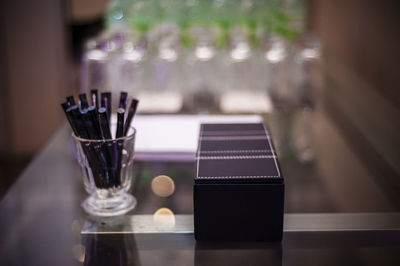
106 103
120 123
123 100
83 101
120 143
95 121
88 123
94 98
104 125
75 120
131 113
78 122
107 147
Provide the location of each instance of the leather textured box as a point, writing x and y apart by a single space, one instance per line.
238 187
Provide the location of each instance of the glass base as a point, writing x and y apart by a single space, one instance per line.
109 207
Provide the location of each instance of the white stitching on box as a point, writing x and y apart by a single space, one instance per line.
238 157
236 176
232 132
239 151
233 138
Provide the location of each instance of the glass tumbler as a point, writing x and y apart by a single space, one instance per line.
107 167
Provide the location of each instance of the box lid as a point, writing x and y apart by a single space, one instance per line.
236 153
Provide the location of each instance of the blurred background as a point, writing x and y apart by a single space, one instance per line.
321 73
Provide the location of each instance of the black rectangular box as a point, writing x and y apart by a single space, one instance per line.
238 188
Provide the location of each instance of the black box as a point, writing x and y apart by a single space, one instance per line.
238 188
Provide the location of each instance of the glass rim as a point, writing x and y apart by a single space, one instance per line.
131 136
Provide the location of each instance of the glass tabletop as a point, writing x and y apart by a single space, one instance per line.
42 222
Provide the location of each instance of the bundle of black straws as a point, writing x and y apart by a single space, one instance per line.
104 155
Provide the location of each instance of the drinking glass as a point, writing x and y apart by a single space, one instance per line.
107 167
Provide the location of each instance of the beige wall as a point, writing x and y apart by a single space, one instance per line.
361 90
35 73
365 35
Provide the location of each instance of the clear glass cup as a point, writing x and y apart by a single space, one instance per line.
107 167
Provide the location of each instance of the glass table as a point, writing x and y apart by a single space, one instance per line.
42 222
